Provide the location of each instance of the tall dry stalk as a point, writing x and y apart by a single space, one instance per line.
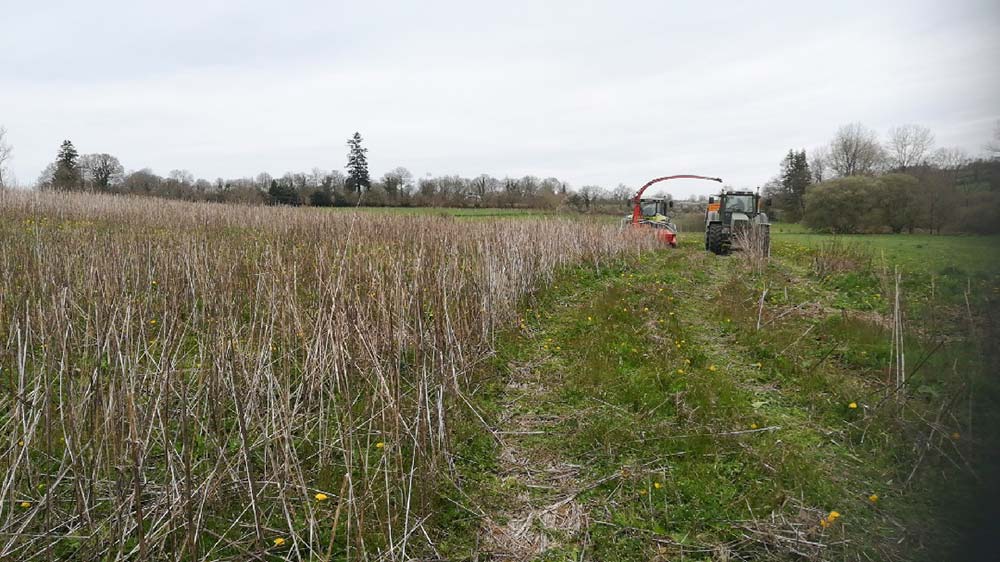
181 380
897 352
755 247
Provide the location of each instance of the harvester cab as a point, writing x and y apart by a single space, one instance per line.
654 212
736 220
653 207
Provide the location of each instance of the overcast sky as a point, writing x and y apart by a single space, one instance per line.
589 92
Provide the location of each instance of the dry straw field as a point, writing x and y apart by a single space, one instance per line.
198 381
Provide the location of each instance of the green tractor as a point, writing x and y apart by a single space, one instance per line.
736 220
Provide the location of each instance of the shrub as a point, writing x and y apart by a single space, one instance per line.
843 205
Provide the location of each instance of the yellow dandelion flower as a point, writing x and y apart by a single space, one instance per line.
824 523
680 371
589 319
20 443
853 405
279 541
833 516
873 498
25 505
379 445
153 322
657 485
320 497
645 309
711 367
753 426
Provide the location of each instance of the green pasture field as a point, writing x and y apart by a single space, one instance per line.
701 407
947 255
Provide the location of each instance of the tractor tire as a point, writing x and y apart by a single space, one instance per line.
713 239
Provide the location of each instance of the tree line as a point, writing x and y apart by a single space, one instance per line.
861 183
857 182
102 172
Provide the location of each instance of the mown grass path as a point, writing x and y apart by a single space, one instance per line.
574 371
643 415
542 512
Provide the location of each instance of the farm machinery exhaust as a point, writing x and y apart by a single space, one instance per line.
733 219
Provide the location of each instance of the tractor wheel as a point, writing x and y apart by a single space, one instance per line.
714 239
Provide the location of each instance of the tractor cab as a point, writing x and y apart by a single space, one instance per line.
744 204
733 217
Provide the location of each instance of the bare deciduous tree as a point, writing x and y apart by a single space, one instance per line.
589 194
317 177
397 180
909 145
5 153
855 151
484 185
182 177
992 147
263 181
819 159
622 193
950 158
102 170
47 177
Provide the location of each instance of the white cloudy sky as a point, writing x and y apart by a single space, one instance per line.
590 92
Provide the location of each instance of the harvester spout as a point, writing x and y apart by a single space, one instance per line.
636 209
